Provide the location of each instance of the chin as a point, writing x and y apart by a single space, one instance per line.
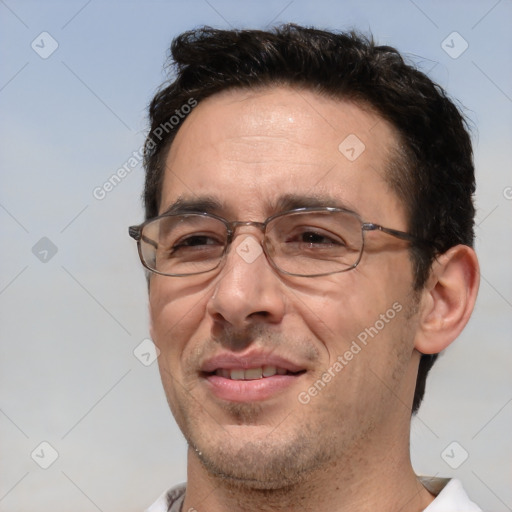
271 463
261 478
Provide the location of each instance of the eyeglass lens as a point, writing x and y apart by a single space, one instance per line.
299 243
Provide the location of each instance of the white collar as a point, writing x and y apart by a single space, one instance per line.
451 496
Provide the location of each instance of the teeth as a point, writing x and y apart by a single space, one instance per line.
253 373
268 371
237 374
250 373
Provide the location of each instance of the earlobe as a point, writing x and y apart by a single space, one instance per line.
448 299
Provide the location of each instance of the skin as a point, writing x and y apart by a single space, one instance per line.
348 448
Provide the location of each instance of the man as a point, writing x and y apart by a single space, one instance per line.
309 240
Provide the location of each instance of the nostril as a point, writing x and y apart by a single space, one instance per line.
264 314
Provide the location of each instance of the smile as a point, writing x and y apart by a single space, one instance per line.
251 373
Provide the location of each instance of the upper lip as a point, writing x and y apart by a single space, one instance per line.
230 361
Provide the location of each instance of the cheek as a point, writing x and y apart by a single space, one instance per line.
176 313
350 308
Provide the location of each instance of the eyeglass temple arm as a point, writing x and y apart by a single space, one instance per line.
136 233
370 226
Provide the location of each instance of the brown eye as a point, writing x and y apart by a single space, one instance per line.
196 241
312 238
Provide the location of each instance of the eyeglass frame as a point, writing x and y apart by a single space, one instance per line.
135 232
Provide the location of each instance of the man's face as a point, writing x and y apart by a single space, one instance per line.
341 346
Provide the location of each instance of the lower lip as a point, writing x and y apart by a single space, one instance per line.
248 390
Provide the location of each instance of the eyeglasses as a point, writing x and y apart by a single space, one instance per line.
307 242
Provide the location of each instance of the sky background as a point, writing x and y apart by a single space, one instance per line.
73 300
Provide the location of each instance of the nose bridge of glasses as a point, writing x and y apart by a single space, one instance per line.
233 226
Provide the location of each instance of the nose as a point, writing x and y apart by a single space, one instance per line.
248 290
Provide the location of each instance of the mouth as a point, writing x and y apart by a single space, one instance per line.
261 372
249 379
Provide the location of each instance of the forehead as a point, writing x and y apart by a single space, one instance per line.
249 148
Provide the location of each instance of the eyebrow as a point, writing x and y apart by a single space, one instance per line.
209 204
198 204
294 201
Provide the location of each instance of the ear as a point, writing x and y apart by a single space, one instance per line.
447 299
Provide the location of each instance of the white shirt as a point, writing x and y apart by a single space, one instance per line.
450 497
